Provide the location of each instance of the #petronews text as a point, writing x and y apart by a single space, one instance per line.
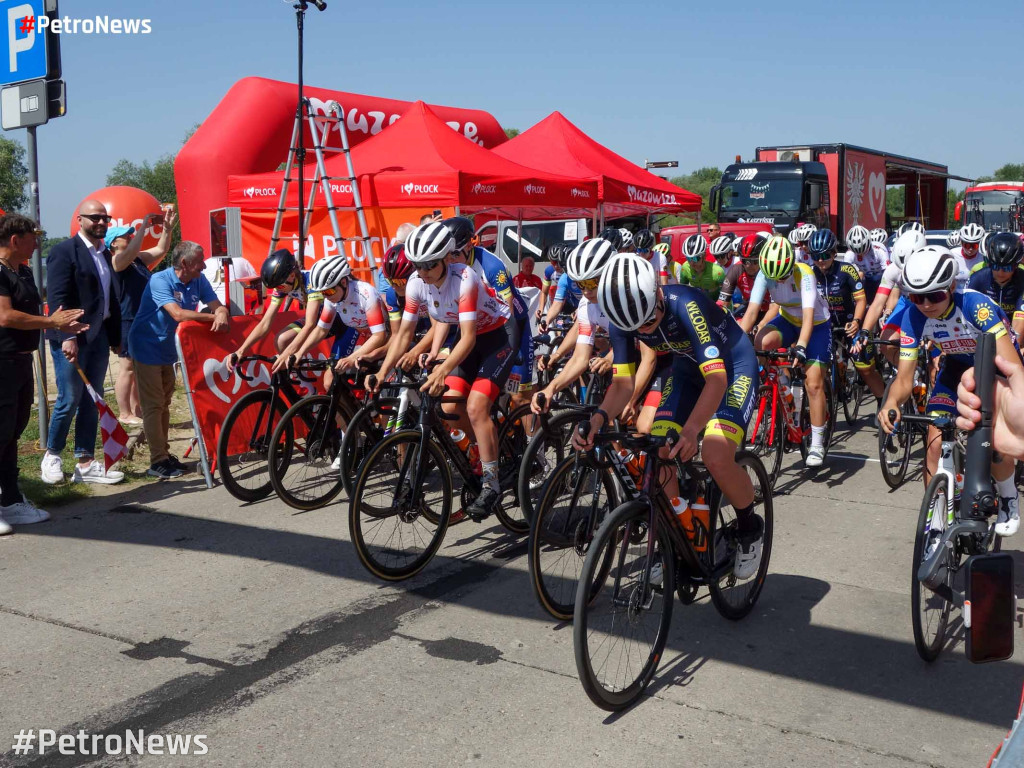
46 740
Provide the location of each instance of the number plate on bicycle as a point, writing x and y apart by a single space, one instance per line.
512 385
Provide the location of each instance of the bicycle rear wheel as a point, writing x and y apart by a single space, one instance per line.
301 470
396 528
852 394
365 430
576 500
621 620
830 421
929 611
512 443
734 599
544 452
244 442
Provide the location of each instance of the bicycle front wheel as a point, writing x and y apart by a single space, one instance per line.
244 443
852 393
512 444
576 499
735 598
929 611
395 524
894 454
622 618
544 452
769 438
301 469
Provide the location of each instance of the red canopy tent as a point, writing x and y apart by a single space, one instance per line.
623 187
420 162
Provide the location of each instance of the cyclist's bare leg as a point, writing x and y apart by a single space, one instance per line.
873 379
478 409
719 455
768 339
814 385
285 337
457 409
890 333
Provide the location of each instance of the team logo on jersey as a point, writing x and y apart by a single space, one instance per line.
982 313
501 279
859 286
941 335
711 352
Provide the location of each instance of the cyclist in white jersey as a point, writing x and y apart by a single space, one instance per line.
478 365
799 318
969 250
658 256
867 256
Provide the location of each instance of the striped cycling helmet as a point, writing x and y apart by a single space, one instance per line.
822 242
953 238
588 259
628 291
858 239
721 246
695 247
909 227
879 235
429 242
328 272
971 233
804 232
776 258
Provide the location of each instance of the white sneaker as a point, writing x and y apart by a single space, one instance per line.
25 513
51 470
5 527
815 457
336 464
657 575
94 473
1009 516
748 555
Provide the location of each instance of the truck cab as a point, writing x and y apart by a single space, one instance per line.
998 206
777 194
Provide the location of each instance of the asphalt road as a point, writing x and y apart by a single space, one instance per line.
177 610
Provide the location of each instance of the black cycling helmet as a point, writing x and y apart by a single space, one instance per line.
278 268
613 236
1004 249
461 229
643 240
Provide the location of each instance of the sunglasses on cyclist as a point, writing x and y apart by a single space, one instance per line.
933 297
429 265
643 251
970 246
95 218
821 256
588 285
1003 267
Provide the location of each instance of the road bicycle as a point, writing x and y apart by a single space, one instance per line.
401 503
847 384
956 518
307 440
623 610
894 449
244 440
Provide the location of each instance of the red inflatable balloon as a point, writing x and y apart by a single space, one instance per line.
127 207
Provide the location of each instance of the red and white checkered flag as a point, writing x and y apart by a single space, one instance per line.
115 439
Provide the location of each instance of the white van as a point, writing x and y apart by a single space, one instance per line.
503 239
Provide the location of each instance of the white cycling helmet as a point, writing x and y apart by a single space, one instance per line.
858 239
794 236
804 232
429 242
931 268
628 291
328 272
695 247
953 239
879 236
909 227
906 244
983 245
588 259
971 233
721 246
627 239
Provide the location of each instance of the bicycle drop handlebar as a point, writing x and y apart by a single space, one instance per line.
236 364
978 498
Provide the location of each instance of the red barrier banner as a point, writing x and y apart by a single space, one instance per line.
212 386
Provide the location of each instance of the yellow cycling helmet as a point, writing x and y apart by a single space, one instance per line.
776 258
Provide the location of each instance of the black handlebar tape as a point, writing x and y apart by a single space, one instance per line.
978 498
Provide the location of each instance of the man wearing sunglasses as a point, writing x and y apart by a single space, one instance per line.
953 322
79 274
1001 279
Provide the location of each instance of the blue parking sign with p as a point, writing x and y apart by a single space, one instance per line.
24 57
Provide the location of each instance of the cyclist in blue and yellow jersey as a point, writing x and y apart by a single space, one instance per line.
1001 279
490 269
953 322
712 386
799 319
842 288
281 275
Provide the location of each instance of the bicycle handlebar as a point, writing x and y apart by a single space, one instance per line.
978 498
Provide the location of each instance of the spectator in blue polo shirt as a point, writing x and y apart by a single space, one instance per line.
170 297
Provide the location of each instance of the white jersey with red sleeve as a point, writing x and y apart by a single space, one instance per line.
360 308
660 263
590 318
460 297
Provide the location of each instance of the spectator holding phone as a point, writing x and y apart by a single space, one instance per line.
132 268
1008 407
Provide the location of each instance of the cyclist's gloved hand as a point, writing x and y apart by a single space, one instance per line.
799 353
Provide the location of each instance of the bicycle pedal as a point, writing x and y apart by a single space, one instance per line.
459 516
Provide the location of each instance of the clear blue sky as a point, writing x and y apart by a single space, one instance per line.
697 83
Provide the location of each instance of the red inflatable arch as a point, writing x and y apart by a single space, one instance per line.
249 131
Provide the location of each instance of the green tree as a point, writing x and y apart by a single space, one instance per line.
49 242
1008 172
13 176
511 133
699 182
895 199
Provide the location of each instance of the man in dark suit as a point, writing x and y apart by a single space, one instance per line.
78 274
